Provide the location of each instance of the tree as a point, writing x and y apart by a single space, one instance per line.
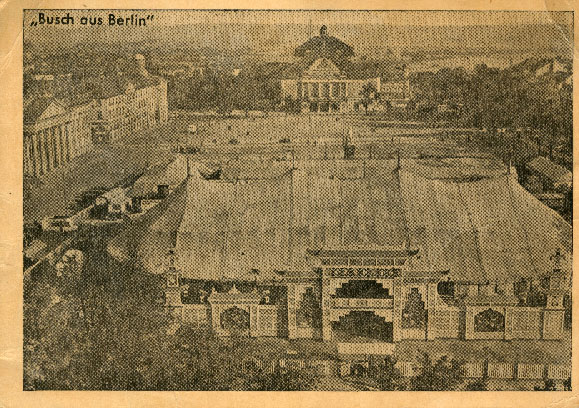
52 335
386 375
97 326
444 375
282 379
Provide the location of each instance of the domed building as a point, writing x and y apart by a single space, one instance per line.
324 46
325 79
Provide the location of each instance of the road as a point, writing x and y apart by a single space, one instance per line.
104 166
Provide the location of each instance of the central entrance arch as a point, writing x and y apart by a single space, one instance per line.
235 321
362 325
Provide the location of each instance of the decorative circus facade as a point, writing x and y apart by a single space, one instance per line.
349 251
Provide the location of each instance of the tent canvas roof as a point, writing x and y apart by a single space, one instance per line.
483 228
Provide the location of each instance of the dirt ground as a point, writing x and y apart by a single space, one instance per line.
307 136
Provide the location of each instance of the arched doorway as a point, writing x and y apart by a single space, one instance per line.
359 369
235 321
363 326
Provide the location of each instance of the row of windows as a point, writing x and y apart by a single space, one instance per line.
140 95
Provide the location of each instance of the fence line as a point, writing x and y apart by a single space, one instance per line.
473 369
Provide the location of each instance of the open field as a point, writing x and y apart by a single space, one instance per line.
303 136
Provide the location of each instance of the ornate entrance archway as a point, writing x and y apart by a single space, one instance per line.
235 321
365 289
234 312
362 325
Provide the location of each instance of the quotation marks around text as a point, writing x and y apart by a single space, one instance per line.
111 19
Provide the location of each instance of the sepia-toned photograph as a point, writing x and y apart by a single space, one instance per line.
297 200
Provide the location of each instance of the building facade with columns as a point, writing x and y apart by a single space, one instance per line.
102 110
293 250
325 79
55 132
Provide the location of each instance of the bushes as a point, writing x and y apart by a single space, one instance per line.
444 375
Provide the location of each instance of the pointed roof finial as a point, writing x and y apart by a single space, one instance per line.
323 31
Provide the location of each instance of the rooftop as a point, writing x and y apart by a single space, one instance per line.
35 107
480 225
324 45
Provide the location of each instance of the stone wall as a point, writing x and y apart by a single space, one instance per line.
471 333
523 323
444 323
198 316
519 323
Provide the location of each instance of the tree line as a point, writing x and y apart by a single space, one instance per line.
493 98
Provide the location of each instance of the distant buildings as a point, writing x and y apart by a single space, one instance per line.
326 80
129 103
170 69
558 69
552 66
100 110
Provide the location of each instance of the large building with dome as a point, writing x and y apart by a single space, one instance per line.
351 251
326 79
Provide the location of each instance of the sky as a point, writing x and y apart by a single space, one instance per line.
278 32
414 18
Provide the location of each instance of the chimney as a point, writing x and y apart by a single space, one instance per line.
398 160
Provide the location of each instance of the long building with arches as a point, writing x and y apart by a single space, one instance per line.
356 251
